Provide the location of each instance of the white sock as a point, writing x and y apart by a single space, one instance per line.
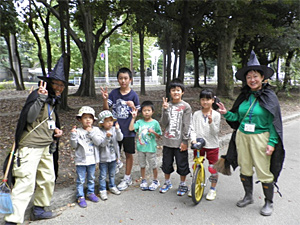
126 177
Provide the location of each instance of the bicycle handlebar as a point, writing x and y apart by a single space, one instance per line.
199 145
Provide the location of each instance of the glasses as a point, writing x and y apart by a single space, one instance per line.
58 85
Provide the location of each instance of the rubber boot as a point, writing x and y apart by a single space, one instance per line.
248 187
38 213
268 189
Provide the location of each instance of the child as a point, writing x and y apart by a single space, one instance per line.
148 129
176 118
109 152
85 141
123 100
206 124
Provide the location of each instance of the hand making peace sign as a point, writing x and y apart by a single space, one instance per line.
42 88
165 104
104 93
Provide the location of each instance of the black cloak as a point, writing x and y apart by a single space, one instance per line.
268 100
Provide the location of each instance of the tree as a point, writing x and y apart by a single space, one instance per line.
97 20
8 30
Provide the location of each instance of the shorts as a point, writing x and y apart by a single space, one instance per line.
212 154
149 157
128 144
182 161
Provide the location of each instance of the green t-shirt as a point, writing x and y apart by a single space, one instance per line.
261 117
146 141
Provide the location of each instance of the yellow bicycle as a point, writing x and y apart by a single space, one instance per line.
198 180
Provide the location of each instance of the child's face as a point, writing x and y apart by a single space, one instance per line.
206 103
87 120
147 112
124 80
108 123
176 94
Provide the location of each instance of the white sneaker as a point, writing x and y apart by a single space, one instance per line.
190 192
144 185
115 190
211 195
103 195
154 185
124 184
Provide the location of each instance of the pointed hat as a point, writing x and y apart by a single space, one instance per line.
57 73
254 64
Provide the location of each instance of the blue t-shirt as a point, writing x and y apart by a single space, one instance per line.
121 110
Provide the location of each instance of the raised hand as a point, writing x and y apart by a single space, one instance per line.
42 88
134 113
117 126
222 108
131 104
74 130
165 104
104 93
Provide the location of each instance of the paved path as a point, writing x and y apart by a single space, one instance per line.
136 207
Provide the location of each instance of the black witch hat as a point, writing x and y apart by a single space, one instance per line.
57 73
254 64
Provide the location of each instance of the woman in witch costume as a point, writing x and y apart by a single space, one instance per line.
38 130
256 117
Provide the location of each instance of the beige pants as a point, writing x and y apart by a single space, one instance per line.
251 149
36 172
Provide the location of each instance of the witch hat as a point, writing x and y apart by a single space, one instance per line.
57 73
253 64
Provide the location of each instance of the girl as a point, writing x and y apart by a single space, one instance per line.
206 124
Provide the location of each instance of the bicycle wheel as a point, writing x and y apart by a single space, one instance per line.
198 184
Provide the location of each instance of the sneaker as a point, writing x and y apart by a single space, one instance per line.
81 202
92 197
155 184
190 193
124 184
165 188
103 195
144 185
211 195
39 213
182 189
115 190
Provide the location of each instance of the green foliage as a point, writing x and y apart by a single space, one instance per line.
7 85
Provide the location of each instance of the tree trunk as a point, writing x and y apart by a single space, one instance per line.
169 62
12 70
142 62
205 70
17 60
287 75
196 67
185 26
175 59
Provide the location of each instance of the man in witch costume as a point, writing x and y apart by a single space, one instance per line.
258 137
36 138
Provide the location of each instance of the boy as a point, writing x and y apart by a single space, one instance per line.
176 118
109 152
148 129
85 140
123 100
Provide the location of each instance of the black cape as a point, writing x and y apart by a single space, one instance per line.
22 122
268 100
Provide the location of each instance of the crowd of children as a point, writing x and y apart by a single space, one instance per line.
118 128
